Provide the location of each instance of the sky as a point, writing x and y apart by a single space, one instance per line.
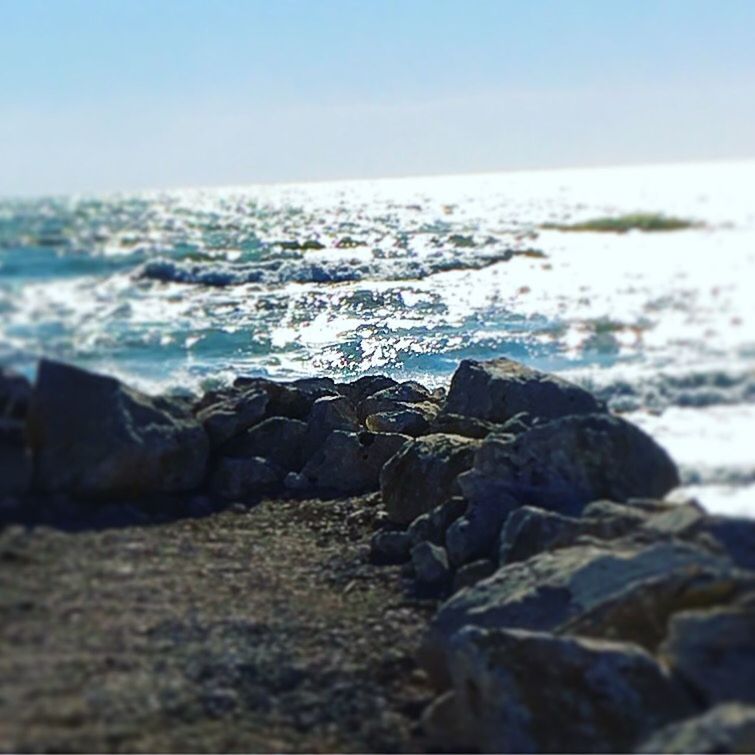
109 95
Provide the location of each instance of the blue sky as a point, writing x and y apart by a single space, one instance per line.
99 95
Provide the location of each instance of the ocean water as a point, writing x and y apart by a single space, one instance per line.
183 290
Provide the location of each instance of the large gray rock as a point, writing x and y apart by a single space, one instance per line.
93 436
529 530
521 691
280 440
242 478
729 727
327 414
358 390
423 474
618 590
394 398
498 389
565 464
351 462
15 459
232 414
714 651
433 525
284 400
412 419
475 534
15 392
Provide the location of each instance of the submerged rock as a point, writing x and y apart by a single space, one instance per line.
499 389
351 462
93 436
565 464
423 474
729 727
523 691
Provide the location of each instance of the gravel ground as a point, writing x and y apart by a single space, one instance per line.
253 629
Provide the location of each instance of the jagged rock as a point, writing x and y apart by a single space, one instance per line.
283 400
360 389
390 547
230 416
328 413
714 651
729 727
458 424
432 526
241 478
499 389
431 569
565 464
475 535
15 392
394 398
523 691
413 419
351 462
618 590
423 474
280 440
93 436
529 530
15 459
471 574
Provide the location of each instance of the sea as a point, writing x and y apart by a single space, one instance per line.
183 290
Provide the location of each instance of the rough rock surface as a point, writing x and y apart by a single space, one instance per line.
430 563
729 727
520 691
358 390
280 440
327 414
390 547
565 464
351 462
714 651
15 392
412 419
232 414
15 459
242 478
458 424
423 474
395 398
498 389
433 525
620 591
93 436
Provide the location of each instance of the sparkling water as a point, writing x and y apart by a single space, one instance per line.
184 290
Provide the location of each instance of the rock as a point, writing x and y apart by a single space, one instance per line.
714 651
471 574
430 564
283 400
423 474
316 386
475 535
296 481
529 530
618 590
280 440
414 419
240 478
432 526
458 424
565 464
394 398
523 691
15 459
390 547
729 727
499 389
15 392
351 462
94 437
327 414
232 415
360 389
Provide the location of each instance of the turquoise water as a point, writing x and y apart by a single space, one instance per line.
184 290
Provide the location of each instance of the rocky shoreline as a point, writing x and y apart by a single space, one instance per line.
578 610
